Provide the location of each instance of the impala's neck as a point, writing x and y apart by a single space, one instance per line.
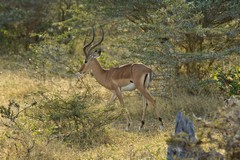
98 72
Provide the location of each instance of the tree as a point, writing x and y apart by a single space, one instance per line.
19 19
185 36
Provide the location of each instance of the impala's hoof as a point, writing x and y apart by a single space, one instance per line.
141 127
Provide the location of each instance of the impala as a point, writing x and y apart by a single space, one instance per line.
124 78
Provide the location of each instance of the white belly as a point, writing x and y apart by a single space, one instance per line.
129 87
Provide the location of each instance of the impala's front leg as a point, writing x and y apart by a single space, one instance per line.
127 116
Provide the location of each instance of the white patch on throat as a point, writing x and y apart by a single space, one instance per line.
129 87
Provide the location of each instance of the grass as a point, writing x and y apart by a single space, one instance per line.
131 145
118 144
123 145
13 86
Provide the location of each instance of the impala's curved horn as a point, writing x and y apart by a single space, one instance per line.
96 44
87 45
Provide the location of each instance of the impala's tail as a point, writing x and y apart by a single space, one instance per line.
148 78
151 75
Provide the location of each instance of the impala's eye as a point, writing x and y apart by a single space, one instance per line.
85 61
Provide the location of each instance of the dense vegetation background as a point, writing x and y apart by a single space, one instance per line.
192 46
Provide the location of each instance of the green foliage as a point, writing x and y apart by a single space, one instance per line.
18 20
228 81
58 52
182 39
52 58
105 61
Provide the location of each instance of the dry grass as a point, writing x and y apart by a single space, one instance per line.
147 144
123 145
14 86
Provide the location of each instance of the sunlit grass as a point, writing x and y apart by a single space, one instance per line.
122 145
131 145
15 85
119 144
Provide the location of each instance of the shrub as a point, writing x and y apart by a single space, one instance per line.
16 141
229 81
74 120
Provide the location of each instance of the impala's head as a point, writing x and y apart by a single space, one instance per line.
90 52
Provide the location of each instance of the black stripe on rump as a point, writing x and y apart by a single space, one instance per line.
145 78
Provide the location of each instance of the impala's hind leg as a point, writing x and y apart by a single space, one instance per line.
145 104
147 97
142 87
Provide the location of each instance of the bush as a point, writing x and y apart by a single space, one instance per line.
16 141
74 120
229 81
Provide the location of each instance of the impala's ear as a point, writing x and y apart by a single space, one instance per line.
97 53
